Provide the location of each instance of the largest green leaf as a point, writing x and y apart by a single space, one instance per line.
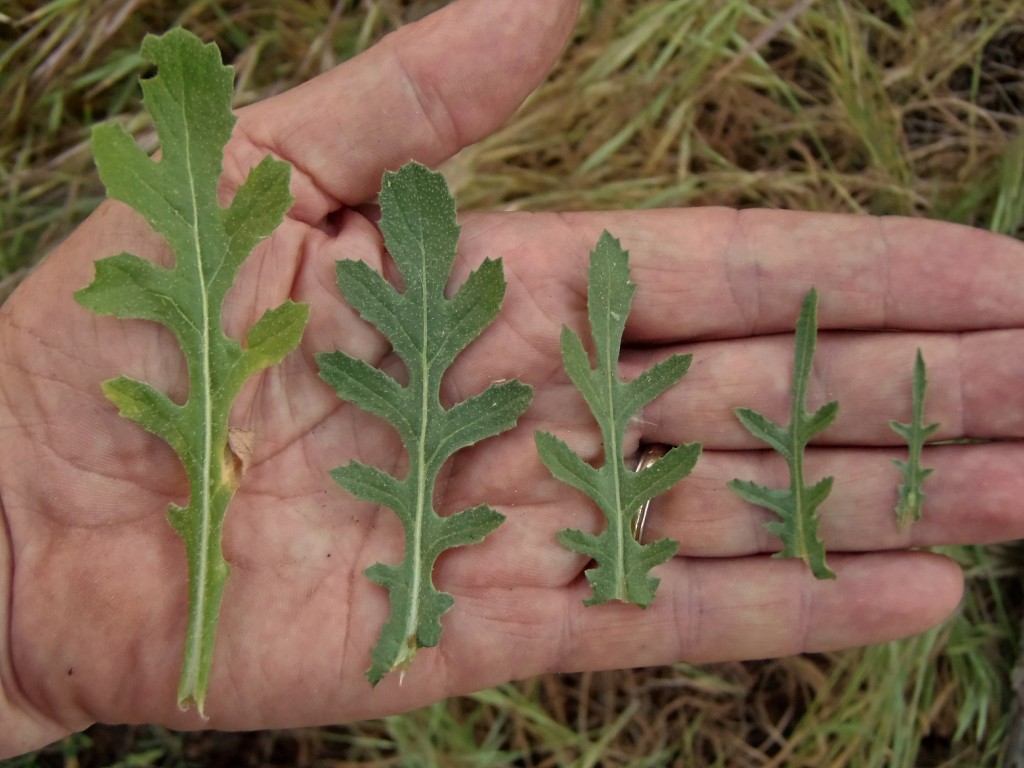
190 101
427 331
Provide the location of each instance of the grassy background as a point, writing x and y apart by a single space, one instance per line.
868 106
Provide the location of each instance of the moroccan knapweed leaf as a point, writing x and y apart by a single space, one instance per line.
190 101
911 492
797 505
427 331
622 564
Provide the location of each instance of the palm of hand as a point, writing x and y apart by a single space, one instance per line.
297 607
112 568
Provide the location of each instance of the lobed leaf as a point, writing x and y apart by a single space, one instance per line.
797 505
190 101
369 484
765 429
568 467
427 331
483 415
622 564
371 388
911 492
277 332
378 303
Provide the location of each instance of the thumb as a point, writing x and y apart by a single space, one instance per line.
423 93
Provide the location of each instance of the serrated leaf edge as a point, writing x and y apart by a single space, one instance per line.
609 297
790 442
410 625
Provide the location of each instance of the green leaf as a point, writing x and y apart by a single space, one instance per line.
797 505
622 570
911 492
427 331
190 101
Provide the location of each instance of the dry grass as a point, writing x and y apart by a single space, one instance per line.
876 106
813 106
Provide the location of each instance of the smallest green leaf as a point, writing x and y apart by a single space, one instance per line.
911 492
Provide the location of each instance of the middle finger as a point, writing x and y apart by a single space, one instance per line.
973 389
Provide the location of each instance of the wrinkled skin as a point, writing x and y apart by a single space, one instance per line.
93 579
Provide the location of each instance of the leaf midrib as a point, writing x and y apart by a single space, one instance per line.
801 371
612 453
206 401
421 449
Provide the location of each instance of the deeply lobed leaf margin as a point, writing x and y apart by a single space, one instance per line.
427 331
910 493
796 506
190 101
622 564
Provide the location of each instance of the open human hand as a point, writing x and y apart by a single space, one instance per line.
93 579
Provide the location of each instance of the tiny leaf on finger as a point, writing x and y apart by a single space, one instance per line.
911 491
